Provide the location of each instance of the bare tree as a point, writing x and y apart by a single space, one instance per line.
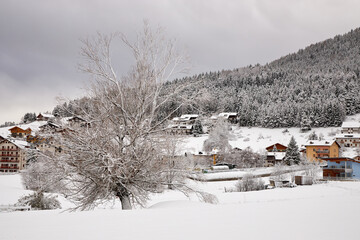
119 152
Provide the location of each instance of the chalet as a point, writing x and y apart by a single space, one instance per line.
316 150
275 154
186 119
180 129
350 128
341 167
348 140
12 155
182 124
50 127
277 147
228 116
44 117
18 132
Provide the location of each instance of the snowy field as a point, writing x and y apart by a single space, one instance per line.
323 211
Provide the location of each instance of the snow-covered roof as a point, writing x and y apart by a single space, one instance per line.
350 125
185 117
320 143
20 143
227 114
47 115
188 116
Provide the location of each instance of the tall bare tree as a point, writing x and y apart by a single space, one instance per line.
118 153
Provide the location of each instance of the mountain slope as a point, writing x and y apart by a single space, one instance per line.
318 85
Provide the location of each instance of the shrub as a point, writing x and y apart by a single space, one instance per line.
39 201
249 183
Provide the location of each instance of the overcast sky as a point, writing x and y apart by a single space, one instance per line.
39 39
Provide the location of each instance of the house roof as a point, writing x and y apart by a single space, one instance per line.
50 124
350 125
46 115
277 146
19 143
227 114
324 143
19 129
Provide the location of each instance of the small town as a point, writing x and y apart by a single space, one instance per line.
174 119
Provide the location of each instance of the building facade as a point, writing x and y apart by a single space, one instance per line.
341 168
317 150
12 156
350 128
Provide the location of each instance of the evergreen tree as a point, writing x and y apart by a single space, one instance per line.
197 128
292 155
313 136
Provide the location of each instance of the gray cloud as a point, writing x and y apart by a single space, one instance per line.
39 39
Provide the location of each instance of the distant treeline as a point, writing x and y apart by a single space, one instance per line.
316 86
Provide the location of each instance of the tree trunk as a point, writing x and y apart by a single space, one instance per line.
124 197
125 202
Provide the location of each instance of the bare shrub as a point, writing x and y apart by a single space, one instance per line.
249 183
39 201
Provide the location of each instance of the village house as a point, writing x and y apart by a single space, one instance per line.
350 128
185 119
44 117
50 127
348 140
17 132
180 129
316 150
182 125
44 144
341 167
231 117
275 154
12 155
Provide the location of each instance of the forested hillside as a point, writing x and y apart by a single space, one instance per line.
318 85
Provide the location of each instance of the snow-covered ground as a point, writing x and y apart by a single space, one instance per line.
324 211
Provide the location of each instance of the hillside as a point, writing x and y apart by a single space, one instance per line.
317 85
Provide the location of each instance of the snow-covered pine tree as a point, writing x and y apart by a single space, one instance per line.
292 155
197 127
313 136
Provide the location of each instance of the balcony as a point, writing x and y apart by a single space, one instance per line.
8 150
9 155
10 161
322 151
9 167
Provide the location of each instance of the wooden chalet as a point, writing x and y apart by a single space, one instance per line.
277 147
44 117
275 154
18 132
